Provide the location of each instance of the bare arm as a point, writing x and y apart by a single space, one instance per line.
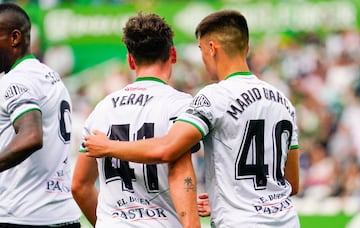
181 137
28 139
182 184
83 186
292 170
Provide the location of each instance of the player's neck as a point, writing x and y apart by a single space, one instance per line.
231 67
161 71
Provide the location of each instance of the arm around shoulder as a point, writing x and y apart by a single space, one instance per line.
181 137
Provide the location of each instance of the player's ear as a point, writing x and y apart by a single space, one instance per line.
173 55
212 48
131 61
15 37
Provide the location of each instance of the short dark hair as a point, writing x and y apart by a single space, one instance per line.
18 19
148 38
229 26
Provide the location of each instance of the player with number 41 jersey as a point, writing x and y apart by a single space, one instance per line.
135 194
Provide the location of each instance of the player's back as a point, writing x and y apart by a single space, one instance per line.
40 185
253 126
133 194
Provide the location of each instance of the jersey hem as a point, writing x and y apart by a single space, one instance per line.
39 222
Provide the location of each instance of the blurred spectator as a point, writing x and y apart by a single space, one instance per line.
350 179
321 176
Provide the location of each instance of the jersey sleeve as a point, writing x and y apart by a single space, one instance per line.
294 144
19 97
202 111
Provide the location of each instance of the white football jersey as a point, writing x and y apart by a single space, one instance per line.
134 194
37 191
248 128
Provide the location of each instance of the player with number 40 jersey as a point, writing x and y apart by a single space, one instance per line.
256 127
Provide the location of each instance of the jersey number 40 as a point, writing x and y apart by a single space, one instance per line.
250 161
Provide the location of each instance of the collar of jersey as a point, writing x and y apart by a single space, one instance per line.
22 59
247 73
148 78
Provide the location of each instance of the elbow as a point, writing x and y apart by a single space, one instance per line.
76 186
168 157
38 146
36 141
165 150
73 188
294 190
165 155
34 144
76 189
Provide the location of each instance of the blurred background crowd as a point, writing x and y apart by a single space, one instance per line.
318 71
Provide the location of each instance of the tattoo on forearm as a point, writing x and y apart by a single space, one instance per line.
182 214
189 185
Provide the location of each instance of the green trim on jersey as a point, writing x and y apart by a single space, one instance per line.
247 73
196 126
148 78
22 113
294 147
22 59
